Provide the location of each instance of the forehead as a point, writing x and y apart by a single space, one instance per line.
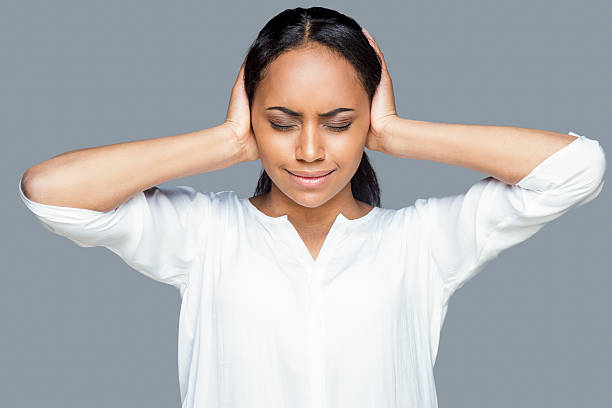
311 78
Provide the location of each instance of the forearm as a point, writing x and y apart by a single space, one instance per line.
504 152
101 178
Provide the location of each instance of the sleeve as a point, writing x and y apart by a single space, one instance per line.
466 231
157 232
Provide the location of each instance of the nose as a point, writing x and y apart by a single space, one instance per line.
310 144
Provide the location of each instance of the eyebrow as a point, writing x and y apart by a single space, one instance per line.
322 115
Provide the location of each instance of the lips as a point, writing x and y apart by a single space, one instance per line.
311 182
310 173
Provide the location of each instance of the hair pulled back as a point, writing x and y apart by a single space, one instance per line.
299 27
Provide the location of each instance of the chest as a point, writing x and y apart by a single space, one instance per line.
261 287
365 287
312 240
270 280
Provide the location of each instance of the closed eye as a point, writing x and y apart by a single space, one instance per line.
333 128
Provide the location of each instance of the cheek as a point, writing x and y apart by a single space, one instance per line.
274 150
274 146
349 145
350 150
263 137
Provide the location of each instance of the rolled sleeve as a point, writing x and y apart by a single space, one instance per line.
466 231
157 231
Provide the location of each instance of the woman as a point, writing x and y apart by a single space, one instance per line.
309 293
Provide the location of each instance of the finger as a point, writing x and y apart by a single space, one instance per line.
240 79
379 52
241 73
371 40
376 48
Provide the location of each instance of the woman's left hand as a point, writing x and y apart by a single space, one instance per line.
382 110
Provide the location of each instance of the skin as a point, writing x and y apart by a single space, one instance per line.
310 80
313 83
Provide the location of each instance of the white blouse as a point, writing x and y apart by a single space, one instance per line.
263 325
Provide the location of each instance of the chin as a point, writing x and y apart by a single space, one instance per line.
313 199
309 199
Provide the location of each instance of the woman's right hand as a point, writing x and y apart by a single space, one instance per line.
239 118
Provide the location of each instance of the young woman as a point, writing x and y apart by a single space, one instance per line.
309 294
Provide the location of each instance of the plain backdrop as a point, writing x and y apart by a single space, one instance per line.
79 328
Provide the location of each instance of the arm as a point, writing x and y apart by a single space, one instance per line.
101 178
506 153
545 174
101 197
536 176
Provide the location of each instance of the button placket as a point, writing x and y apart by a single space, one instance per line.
317 368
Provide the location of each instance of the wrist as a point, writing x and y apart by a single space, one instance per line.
401 138
388 134
238 144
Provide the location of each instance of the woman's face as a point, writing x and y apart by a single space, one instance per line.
311 82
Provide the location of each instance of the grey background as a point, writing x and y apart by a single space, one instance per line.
81 328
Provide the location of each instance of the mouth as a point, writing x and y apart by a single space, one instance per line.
315 181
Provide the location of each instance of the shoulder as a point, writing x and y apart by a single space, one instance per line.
188 200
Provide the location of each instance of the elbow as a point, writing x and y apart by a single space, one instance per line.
29 184
586 182
590 166
32 187
597 166
601 162
593 175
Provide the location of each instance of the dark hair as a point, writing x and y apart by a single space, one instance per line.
299 27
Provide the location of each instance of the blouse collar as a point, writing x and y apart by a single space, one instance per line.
284 219
296 252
